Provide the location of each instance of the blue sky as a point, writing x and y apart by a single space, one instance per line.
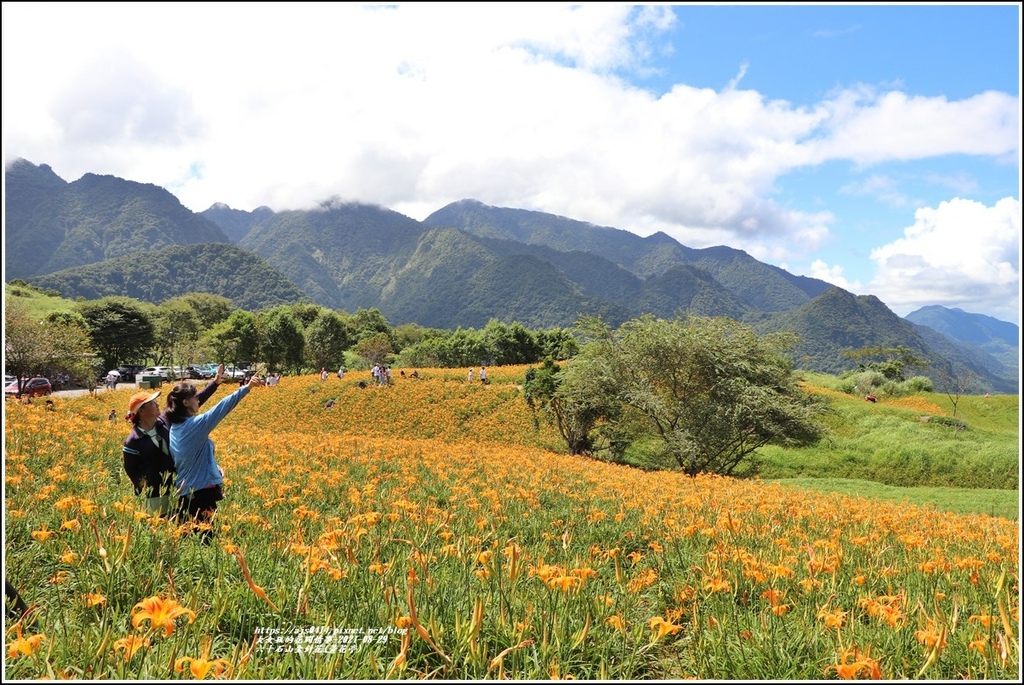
874 146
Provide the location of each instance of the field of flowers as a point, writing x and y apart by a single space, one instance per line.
431 530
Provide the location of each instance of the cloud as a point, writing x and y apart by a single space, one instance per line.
417 105
869 127
832 274
961 252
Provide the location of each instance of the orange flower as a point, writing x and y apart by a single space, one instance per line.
660 627
203 665
94 599
861 665
616 622
43 534
130 645
72 524
716 583
200 668
983 619
160 612
833 619
23 646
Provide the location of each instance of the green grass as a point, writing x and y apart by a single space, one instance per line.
39 304
1004 503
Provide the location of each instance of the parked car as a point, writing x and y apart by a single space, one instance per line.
34 387
164 372
9 379
129 372
196 372
235 373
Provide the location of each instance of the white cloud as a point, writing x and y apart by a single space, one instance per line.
832 274
961 253
413 106
868 127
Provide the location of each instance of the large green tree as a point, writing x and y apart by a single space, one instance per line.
282 342
327 338
235 340
59 343
120 329
709 389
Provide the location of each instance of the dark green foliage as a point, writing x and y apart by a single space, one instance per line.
237 339
282 343
327 338
216 268
120 329
710 390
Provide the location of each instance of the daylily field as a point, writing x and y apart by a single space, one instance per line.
430 530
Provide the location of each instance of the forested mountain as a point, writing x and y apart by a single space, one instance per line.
52 225
1000 339
837 320
218 268
753 284
464 265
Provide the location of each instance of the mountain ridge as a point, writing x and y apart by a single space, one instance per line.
462 266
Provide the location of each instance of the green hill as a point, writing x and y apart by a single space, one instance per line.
216 268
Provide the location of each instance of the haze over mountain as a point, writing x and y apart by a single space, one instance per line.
463 265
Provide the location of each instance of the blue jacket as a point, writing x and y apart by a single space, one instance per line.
192 448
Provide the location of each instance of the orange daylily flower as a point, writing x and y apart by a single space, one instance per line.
94 599
130 645
160 612
23 646
660 627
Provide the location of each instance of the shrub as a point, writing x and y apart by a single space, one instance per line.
918 384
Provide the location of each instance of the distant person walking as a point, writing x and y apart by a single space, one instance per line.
469 376
483 374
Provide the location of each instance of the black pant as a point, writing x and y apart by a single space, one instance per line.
200 506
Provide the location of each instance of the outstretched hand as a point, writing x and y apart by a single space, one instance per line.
255 381
220 374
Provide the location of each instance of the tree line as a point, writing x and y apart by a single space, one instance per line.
92 336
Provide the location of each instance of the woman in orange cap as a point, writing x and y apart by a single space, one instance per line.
147 451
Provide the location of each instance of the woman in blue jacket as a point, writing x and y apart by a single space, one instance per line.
200 481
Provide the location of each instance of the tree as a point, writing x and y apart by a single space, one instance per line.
57 344
709 389
120 329
575 405
209 309
235 340
891 362
510 343
177 330
374 349
281 338
327 338
367 323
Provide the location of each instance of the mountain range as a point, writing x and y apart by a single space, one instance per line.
460 267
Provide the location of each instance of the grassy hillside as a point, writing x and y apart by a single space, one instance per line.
37 301
912 441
